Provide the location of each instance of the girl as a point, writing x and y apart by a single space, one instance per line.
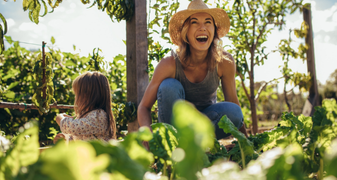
94 119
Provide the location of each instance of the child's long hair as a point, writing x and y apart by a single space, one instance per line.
92 91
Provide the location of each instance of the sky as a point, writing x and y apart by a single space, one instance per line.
72 23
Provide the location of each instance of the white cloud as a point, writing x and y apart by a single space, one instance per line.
73 6
334 17
326 62
320 19
56 23
30 26
59 9
327 38
10 23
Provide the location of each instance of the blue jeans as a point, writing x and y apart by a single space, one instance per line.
171 90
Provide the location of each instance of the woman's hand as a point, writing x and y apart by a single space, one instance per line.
58 137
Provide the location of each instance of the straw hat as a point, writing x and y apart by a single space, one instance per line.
220 17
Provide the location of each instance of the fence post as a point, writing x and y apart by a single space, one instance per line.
313 99
136 56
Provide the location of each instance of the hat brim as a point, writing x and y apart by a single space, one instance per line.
220 17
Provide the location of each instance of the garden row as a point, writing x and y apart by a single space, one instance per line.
298 148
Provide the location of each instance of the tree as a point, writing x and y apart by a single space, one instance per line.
251 22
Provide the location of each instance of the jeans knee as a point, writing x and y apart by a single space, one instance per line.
169 86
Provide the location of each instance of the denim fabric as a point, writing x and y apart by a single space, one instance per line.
171 90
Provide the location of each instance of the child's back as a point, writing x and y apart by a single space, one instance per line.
91 126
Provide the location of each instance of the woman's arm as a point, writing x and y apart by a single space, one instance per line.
227 71
165 69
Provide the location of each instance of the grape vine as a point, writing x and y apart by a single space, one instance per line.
44 93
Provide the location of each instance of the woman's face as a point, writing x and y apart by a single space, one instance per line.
200 33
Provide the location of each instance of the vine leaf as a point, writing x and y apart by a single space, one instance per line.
2 33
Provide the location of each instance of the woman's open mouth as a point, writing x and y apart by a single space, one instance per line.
202 38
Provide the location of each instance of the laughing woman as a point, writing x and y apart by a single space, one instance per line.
194 71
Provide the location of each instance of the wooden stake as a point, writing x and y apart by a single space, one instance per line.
137 64
312 100
44 70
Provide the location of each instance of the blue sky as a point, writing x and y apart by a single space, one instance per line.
73 24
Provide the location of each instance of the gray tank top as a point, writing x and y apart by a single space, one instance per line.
201 94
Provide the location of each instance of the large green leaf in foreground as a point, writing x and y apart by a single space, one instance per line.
196 134
76 161
24 153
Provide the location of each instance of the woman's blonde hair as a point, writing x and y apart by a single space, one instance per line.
215 51
92 91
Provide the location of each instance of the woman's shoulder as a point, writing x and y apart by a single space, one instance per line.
227 65
169 61
166 68
227 56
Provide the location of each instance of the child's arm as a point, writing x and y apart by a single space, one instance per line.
58 137
59 117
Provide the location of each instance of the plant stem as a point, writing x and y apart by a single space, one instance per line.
242 157
172 173
164 168
320 171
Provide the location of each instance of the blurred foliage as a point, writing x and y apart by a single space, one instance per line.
300 80
19 85
329 90
116 9
299 148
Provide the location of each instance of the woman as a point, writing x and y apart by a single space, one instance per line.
193 72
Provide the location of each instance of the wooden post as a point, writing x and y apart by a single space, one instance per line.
312 100
44 70
136 57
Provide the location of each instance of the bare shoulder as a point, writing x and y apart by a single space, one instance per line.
166 68
168 61
227 65
227 57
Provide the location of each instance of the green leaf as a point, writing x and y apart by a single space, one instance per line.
330 159
69 159
9 39
52 39
228 127
5 23
120 161
196 134
25 151
119 57
136 151
70 63
9 94
45 8
12 85
168 135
